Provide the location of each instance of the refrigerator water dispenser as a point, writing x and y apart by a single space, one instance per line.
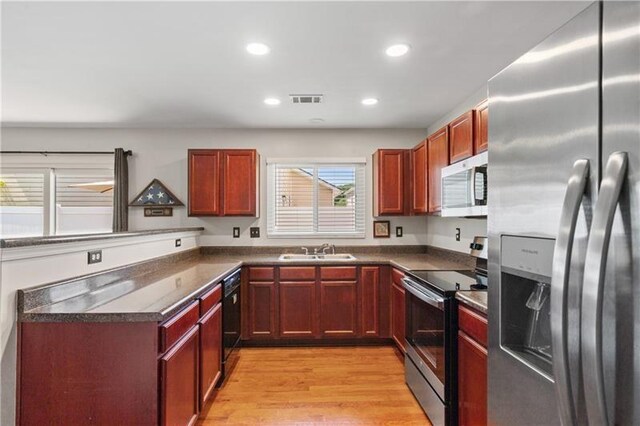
525 274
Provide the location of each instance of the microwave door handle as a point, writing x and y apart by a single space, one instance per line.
422 295
593 287
474 182
574 194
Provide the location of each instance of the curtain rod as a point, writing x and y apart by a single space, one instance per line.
129 152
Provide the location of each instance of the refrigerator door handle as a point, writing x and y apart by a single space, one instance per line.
576 187
593 287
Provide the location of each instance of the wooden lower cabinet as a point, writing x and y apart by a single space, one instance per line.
179 381
370 301
261 307
309 303
298 309
472 381
398 310
210 352
338 309
472 367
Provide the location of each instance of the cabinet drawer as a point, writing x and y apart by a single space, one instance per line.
397 276
209 299
296 273
261 273
172 330
473 323
338 273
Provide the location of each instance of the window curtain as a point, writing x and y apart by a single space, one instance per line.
120 191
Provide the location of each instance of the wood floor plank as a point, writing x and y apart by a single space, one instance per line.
312 386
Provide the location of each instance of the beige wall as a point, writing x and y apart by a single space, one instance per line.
162 154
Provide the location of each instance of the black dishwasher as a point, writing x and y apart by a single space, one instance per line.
230 319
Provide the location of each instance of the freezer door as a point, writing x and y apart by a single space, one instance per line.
611 336
544 118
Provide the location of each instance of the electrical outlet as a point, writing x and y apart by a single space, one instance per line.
254 232
94 256
399 231
457 234
236 232
178 242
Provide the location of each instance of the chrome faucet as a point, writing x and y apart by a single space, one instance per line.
305 250
325 247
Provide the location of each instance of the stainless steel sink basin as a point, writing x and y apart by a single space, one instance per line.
316 257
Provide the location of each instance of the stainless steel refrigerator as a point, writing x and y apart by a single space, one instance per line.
564 226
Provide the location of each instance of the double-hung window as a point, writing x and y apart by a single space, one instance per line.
321 198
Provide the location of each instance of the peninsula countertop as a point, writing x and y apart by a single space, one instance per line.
155 290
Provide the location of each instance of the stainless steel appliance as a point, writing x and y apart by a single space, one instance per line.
564 226
431 329
230 319
464 187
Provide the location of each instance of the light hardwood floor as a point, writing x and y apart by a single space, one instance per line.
307 386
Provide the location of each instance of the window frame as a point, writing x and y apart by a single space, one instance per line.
49 225
360 166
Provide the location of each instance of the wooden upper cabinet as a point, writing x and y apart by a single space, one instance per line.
481 132
419 179
461 137
239 172
204 182
390 171
223 182
438 153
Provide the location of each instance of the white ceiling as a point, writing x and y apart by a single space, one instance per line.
172 64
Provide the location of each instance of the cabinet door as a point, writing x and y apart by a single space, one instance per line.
461 137
204 182
472 381
481 133
298 310
239 172
397 316
338 309
438 152
210 352
370 301
419 184
389 169
262 310
179 381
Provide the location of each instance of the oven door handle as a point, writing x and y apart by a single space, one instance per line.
423 294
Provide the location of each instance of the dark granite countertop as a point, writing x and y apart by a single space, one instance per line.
60 239
157 289
474 299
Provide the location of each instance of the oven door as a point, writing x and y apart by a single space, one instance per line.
425 333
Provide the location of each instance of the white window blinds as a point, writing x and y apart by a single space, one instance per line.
310 199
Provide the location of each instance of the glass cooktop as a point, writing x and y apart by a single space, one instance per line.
451 281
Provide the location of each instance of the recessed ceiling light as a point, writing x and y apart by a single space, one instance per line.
272 101
369 101
397 50
258 48
317 120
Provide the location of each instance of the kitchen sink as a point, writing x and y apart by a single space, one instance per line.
316 257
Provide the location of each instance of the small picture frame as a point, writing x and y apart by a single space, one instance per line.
381 229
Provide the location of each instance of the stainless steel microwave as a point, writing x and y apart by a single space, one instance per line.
464 187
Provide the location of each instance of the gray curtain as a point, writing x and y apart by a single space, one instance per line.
121 191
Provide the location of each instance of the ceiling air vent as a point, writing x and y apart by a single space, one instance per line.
306 99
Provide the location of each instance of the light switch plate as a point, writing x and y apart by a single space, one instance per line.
236 232
399 231
178 242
